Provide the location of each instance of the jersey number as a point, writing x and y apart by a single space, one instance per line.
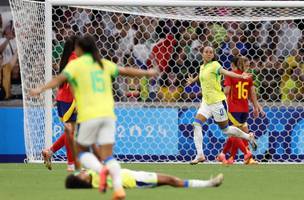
98 83
242 91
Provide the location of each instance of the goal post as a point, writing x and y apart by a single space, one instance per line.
155 116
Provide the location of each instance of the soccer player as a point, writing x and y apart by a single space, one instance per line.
66 112
91 79
139 179
214 102
238 91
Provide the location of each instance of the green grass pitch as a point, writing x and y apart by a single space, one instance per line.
259 182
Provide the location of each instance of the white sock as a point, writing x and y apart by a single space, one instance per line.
198 183
198 140
114 170
236 132
90 161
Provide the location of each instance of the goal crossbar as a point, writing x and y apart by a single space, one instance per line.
281 4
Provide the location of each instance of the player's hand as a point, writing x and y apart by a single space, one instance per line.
246 75
35 92
190 80
255 113
261 111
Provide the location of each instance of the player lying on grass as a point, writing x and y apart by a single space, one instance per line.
139 179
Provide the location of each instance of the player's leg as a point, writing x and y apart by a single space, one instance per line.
47 153
219 112
202 115
85 138
68 116
163 179
226 149
239 119
106 139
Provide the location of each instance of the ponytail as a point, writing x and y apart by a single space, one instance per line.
88 45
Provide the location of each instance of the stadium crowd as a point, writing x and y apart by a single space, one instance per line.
275 49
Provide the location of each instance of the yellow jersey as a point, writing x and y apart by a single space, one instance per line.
92 87
129 178
210 79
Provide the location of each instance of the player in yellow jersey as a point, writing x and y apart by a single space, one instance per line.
139 179
91 79
214 102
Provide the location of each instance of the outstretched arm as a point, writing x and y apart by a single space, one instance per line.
133 72
244 75
58 80
191 80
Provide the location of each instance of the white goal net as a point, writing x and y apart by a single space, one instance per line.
155 116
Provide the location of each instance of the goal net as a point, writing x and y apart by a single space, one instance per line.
155 116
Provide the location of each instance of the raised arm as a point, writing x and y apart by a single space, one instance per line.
58 80
234 75
133 72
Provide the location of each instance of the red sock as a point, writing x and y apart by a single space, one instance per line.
227 145
69 151
58 144
234 147
240 144
245 143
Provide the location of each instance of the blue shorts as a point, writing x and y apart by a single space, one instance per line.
238 118
66 111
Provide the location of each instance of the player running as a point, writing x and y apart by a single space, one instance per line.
214 102
90 76
238 91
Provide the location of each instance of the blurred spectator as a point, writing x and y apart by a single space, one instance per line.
289 35
170 90
291 88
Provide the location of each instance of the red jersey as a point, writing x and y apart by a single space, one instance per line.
239 91
65 93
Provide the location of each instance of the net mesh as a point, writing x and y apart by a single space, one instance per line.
155 115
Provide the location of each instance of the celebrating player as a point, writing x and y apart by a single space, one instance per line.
139 179
238 91
91 79
66 112
214 102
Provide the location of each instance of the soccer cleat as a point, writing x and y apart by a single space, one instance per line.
247 156
253 142
197 160
103 179
230 161
71 168
217 181
251 161
47 158
221 158
119 194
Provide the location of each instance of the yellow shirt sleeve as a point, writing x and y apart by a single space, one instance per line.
70 72
110 67
216 67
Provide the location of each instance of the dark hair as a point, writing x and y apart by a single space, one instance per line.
68 48
214 57
235 60
88 45
73 182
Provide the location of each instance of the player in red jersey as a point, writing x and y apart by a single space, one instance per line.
66 112
238 92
